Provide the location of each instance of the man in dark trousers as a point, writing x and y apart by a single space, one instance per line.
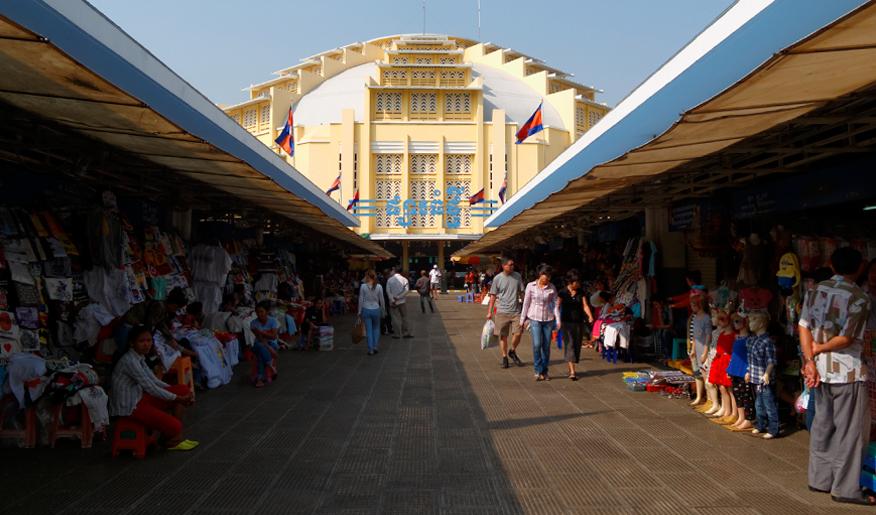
386 323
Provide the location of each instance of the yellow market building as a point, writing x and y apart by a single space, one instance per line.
416 124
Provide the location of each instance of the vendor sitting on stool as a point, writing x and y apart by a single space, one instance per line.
138 394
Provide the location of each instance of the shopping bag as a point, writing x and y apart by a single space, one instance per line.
358 331
558 337
487 333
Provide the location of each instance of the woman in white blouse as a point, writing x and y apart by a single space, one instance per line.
541 308
371 309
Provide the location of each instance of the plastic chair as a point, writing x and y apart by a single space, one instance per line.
182 373
130 435
84 430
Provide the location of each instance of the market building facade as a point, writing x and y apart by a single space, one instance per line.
413 126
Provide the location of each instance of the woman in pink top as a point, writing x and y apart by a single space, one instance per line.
541 307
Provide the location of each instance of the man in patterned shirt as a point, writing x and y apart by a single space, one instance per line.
832 326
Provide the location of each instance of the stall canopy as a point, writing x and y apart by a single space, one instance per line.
770 87
64 62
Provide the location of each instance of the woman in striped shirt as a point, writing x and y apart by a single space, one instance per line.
541 307
138 394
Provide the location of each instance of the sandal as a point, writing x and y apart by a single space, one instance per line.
863 501
573 377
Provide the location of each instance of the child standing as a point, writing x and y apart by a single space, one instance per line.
266 329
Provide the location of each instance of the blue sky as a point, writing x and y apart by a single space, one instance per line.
222 46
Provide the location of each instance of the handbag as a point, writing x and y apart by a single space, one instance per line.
358 333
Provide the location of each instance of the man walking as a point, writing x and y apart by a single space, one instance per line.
386 322
832 326
397 289
435 281
423 289
505 295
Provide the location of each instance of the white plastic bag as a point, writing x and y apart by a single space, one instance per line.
487 334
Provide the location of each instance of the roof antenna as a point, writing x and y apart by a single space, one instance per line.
479 20
424 17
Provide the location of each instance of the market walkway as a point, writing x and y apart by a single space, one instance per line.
429 425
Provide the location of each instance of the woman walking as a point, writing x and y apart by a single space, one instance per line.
541 307
372 309
573 310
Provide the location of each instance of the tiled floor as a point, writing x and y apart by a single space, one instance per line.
430 425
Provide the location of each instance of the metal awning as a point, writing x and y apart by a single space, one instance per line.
63 61
760 65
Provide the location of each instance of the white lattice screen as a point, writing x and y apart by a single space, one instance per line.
464 211
387 189
424 60
424 163
388 164
447 60
422 103
453 78
457 103
423 189
594 117
580 119
265 117
457 164
249 118
399 60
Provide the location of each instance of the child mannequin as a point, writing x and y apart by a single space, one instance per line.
737 369
761 363
714 405
718 371
698 335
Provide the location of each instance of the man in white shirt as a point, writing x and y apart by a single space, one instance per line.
435 281
397 289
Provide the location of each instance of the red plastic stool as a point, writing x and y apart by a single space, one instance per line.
130 435
181 372
82 430
27 435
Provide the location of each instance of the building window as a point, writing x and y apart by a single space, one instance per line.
292 86
453 78
395 78
424 60
388 164
594 118
386 189
399 60
249 119
447 60
265 118
387 105
423 191
424 106
464 216
423 78
424 163
458 164
457 105
580 119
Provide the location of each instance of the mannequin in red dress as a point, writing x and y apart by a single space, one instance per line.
718 371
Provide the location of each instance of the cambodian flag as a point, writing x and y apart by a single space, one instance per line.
502 189
353 201
335 186
286 139
532 126
477 198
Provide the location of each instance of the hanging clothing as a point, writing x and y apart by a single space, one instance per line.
109 288
23 367
96 401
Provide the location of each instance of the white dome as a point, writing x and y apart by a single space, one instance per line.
346 90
